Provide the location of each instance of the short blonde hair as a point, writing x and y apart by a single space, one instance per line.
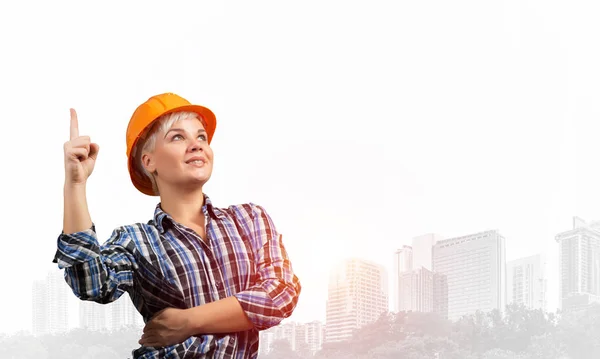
147 141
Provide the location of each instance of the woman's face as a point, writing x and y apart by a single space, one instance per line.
181 156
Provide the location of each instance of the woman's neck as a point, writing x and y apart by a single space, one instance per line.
183 207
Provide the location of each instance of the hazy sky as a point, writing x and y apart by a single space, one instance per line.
358 125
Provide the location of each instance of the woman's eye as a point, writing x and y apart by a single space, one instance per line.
202 137
177 137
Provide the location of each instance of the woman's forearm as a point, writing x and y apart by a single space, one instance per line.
76 216
223 316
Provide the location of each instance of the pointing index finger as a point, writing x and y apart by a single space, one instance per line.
74 125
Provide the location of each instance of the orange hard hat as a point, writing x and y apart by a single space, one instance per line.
144 116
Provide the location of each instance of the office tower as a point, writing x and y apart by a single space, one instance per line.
315 335
266 339
40 317
49 304
475 267
124 314
440 294
416 291
526 282
306 338
286 330
300 343
402 263
403 259
357 296
58 292
422 247
422 290
579 265
94 316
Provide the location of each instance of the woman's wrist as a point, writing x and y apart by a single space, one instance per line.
195 320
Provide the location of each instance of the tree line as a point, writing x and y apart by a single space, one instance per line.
519 333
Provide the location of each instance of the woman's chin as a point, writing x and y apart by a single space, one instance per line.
198 180
189 182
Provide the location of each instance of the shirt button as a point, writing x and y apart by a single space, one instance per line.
219 285
231 340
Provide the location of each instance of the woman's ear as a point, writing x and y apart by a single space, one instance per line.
148 162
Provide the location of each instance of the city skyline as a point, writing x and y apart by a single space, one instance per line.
521 281
355 282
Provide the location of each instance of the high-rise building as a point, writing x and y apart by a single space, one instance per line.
440 294
123 313
422 250
94 316
403 259
109 316
357 296
40 317
422 290
526 282
475 268
302 337
414 280
579 264
402 263
49 304
315 335
286 330
265 343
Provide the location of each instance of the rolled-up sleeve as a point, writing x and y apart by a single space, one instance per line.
275 294
99 273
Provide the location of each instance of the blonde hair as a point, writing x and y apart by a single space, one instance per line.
147 140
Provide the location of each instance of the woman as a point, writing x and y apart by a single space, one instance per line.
205 279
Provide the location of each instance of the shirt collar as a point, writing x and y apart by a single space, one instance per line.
162 219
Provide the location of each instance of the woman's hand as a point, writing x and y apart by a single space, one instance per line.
80 155
168 327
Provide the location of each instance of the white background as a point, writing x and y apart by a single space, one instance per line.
358 125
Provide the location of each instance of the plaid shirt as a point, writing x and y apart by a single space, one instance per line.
164 264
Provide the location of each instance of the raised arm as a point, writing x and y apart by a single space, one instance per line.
94 272
80 158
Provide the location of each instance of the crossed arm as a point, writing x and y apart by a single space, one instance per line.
272 298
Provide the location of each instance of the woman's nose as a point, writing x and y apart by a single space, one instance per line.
195 146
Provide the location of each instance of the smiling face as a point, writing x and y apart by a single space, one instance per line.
181 156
